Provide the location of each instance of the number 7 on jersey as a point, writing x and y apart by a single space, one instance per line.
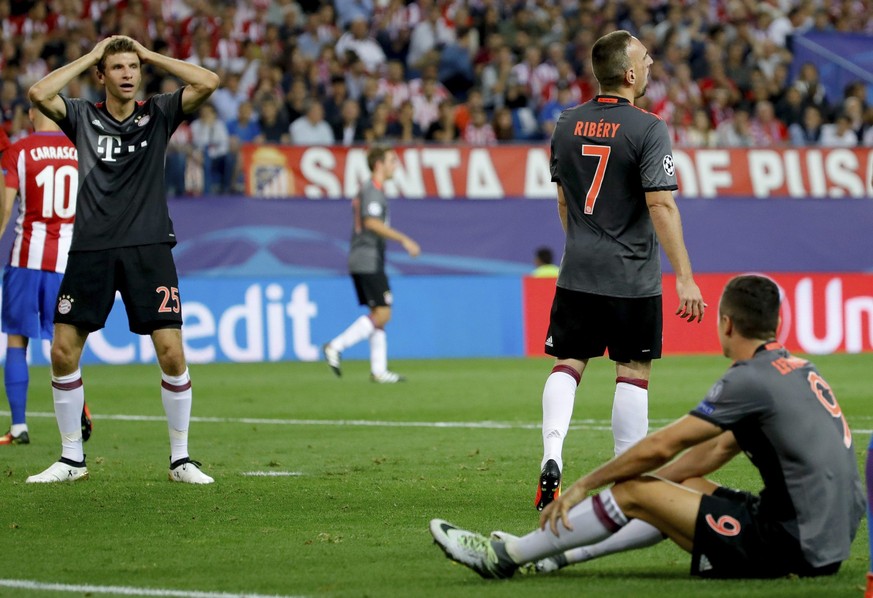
601 152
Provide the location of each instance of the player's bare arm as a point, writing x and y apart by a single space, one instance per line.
200 82
562 208
8 201
647 455
44 93
668 226
387 232
702 459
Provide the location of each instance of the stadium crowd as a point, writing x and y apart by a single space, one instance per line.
445 71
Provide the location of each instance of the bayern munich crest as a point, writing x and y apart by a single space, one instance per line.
65 304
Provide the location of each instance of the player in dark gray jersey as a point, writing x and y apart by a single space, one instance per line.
123 235
775 408
367 267
613 166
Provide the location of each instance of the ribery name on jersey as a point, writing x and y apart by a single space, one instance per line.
51 152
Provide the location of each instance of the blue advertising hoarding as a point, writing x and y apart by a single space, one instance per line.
288 319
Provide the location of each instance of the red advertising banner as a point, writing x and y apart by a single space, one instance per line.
821 314
522 171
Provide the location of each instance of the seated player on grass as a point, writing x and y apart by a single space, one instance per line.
775 408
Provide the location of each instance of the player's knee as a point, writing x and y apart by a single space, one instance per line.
171 359
631 495
64 358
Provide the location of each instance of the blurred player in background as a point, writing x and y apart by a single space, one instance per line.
123 235
41 170
613 165
775 408
367 266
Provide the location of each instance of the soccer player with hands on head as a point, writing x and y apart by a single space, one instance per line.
123 235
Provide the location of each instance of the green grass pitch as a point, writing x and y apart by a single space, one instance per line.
352 520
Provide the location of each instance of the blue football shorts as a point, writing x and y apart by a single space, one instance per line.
29 298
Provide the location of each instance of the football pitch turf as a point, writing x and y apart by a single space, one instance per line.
325 486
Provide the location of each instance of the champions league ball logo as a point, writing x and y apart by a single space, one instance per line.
668 165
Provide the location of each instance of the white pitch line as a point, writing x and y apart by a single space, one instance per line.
272 474
580 424
24 584
603 425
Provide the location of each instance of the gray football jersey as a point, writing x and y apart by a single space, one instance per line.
787 421
367 251
606 154
122 199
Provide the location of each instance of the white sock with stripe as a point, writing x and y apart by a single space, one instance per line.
68 393
630 412
594 519
559 395
176 395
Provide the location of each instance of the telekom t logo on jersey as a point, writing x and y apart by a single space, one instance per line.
111 146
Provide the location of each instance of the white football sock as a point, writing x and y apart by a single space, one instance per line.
176 395
594 519
559 394
636 534
378 352
630 413
68 393
359 330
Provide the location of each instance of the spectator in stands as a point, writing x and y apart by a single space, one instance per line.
425 105
808 131
552 109
309 42
370 97
790 108
504 131
228 97
350 128
336 97
245 128
463 111
311 129
700 132
274 124
444 129
295 100
839 133
212 143
393 86
357 39
377 130
404 128
479 131
736 131
853 108
428 36
810 87
767 130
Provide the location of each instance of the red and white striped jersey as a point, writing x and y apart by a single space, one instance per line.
43 168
